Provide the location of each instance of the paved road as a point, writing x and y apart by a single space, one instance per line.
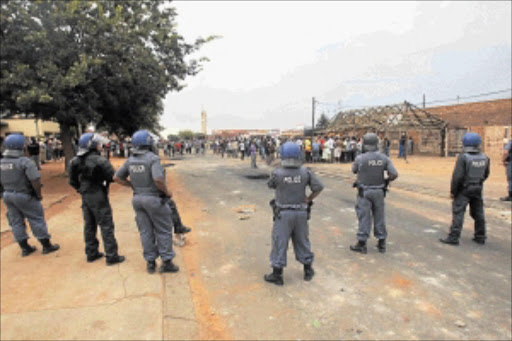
419 289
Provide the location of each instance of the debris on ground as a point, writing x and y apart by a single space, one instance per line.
460 324
245 209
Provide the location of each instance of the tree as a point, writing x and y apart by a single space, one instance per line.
322 122
186 134
173 137
106 62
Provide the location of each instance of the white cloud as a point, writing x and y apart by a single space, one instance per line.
274 56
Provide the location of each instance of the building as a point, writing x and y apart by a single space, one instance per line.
434 130
204 122
28 127
230 133
492 120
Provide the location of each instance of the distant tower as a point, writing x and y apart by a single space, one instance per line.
204 122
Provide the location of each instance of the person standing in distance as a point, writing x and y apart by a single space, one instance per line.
291 212
506 158
372 186
21 183
150 201
471 170
90 174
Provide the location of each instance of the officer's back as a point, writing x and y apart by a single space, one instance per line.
90 173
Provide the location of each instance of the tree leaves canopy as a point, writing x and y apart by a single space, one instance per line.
107 62
323 121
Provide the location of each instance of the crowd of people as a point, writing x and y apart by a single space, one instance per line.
326 149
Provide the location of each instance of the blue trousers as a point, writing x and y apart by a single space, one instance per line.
294 225
371 207
21 206
154 222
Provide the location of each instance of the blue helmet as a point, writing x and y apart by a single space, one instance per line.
89 141
290 155
15 142
14 145
142 138
471 142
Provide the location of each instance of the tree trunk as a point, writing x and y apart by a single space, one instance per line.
67 144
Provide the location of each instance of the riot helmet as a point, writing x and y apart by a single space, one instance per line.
290 155
471 143
370 142
143 140
14 145
90 141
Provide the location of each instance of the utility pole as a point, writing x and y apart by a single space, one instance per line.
423 101
313 121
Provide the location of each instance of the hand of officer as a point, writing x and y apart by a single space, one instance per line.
165 199
452 196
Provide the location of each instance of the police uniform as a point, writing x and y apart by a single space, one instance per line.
371 184
91 175
291 216
471 170
16 175
508 169
153 214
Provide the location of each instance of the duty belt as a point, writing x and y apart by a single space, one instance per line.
292 207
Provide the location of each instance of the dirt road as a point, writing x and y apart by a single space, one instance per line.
419 289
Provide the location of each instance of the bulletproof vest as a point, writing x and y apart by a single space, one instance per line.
371 169
91 174
476 164
291 186
139 167
12 175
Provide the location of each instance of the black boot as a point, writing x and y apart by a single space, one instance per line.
182 229
92 258
25 248
308 272
382 245
509 198
115 260
48 247
151 266
359 247
275 277
449 240
168 266
480 241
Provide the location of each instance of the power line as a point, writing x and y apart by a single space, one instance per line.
466 97
436 101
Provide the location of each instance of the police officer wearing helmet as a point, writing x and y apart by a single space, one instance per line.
21 182
471 170
291 212
150 201
91 174
371 184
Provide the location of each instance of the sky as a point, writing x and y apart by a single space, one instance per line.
273 57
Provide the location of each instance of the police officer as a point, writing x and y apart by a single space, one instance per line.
471 170
291 212
150 201
506 158
21 182
91 174
371 184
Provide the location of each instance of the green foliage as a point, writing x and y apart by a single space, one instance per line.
107 62
173 137
186 134
322 122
